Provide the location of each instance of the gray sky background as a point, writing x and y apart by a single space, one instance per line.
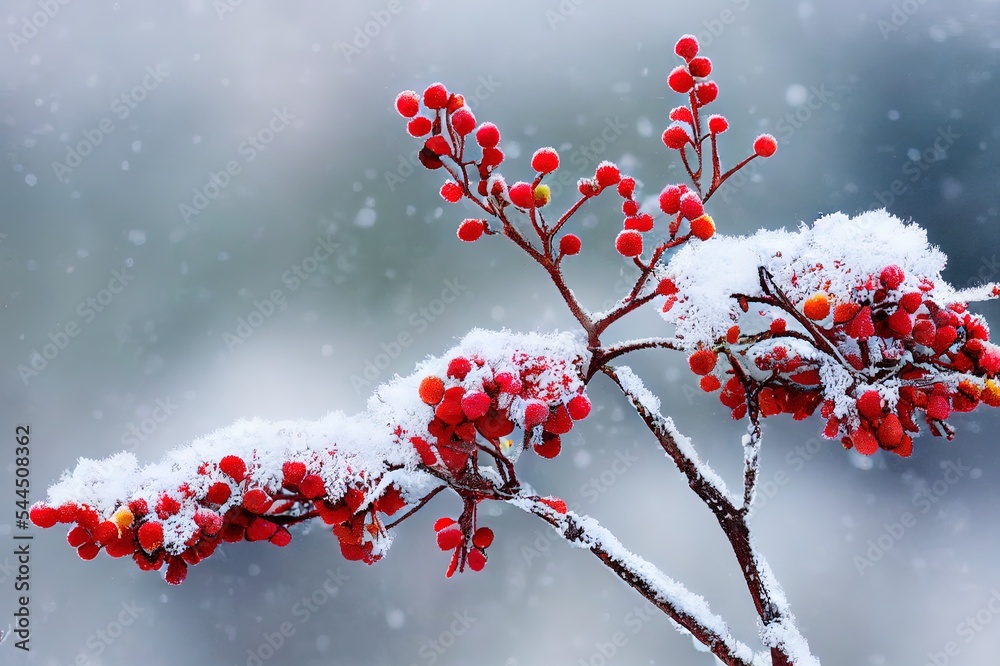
167 94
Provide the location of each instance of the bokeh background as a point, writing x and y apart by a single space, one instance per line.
860 93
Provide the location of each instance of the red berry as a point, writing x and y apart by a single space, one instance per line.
436 96
626 187
911 302
407 103
535 413
88 551
463 121
706 92
471 230
475 404
870 405
703 361
717 124
67 512
680 80
492 157
508 382
438 145
43 515
218 493
862 327
488 136
260 529
559 421
607 174
892 276
545 160
630 207
765 145
150 535
549 447
476 559
924 332
570 244
234 467
682 114
817 306
419 126
521 195
670 199
710 383
700 67
676 137
257 501
938 408
167 506
293 472
900 322
864 442
312 486
78 536
451 191
666 287
459 367
176 572
778 326
690 206
281 538
642 222
431 390
686 47
578 407
450 538
629 243
890 431
703 227
482 538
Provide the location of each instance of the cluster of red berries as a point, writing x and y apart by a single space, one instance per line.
473 400
901 351
186 526
469 545
489 404
448 125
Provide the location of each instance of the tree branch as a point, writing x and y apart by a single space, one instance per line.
689 611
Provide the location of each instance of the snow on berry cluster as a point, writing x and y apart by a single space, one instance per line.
255 479
850 316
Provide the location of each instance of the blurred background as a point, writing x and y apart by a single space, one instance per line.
173 169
